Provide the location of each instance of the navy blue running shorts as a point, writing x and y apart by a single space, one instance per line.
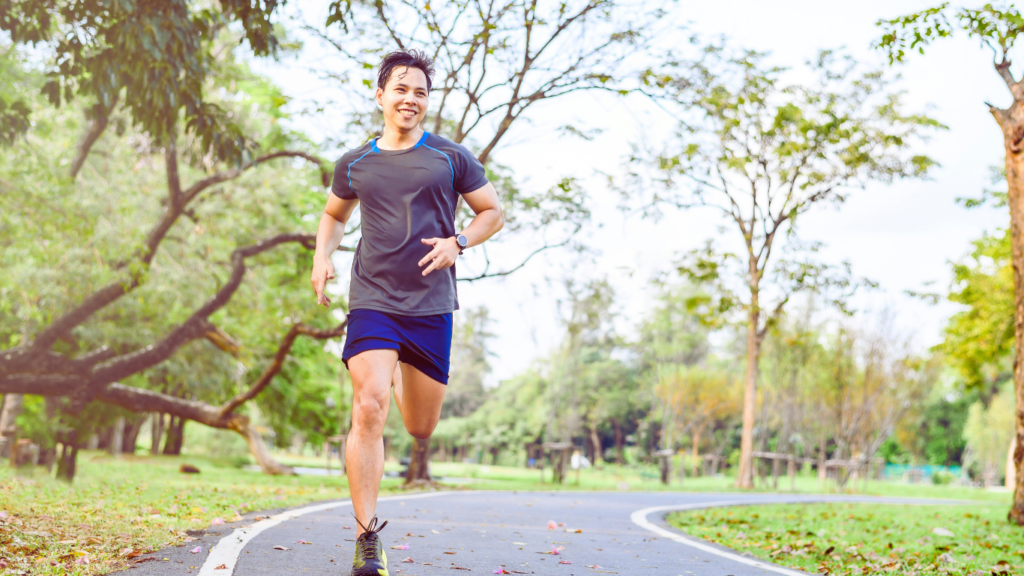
424 342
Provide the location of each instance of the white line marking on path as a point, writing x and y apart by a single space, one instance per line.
640 519
228 549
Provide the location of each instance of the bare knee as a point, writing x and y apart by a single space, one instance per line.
421 431
369 412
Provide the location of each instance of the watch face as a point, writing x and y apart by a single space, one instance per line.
461 240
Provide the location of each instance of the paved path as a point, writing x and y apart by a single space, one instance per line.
482 531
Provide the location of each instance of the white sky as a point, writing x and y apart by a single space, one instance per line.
902 236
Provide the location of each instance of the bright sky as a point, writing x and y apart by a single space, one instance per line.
902 236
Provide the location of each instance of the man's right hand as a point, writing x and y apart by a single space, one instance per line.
323 270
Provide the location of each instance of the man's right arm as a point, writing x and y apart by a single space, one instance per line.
328 237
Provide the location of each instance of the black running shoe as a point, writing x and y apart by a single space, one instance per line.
370 559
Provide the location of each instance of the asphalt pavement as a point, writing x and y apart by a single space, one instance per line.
482 532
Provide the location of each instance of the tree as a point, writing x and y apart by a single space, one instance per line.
979 339
496 61
763 154
85 341
997 27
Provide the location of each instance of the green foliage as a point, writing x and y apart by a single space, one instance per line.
157 56
995 26
470 363
979 339
61 240
988 431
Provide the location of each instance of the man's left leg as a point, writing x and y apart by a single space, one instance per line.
419 398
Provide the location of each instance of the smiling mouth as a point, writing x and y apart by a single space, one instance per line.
407 112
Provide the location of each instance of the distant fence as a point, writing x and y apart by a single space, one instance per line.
914 473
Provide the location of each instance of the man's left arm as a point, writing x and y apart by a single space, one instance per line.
489 219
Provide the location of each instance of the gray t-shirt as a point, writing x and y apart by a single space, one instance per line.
405 196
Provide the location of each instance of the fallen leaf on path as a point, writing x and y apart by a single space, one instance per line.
571 531
196 550
303 542
221 567
450 553
593 566
561 523
565 562
279 547
435 531
402 547
520 543
347 527
501 571
408 561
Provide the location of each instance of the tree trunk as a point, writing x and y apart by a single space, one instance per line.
1011 121
419 461
696 452
258 448
1011 471
67 462
175 436
131 434
8 428
116 443
595 443
744 478
620 454
156 428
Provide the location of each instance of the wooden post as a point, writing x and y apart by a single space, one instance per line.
792 473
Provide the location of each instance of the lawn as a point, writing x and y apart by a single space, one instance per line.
867 538
117 508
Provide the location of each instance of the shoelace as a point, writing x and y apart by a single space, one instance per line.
368 541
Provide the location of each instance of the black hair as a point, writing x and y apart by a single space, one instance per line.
408 58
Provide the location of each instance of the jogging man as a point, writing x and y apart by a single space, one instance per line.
402 292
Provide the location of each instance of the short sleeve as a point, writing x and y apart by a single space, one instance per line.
340 186
470 174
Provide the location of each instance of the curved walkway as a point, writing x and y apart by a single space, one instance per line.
487 532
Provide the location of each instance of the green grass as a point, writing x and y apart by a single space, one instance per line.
867 538
118 507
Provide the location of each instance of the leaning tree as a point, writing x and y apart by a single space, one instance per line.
154 61
496 61
997 27
762 153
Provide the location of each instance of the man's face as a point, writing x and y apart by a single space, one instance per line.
404 98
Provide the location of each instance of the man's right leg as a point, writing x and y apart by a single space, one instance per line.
371 372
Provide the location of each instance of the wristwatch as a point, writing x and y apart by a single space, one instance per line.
462 241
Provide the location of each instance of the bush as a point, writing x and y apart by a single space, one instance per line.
941 478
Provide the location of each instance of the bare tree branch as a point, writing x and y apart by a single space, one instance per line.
279 357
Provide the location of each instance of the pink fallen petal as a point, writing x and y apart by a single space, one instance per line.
408 561
555 551
552 525
303 542
82 560
565 562
594 566
196 550
561 524
402 547
3 515
501 571
217 521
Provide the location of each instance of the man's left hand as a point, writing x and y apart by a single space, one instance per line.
445 251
